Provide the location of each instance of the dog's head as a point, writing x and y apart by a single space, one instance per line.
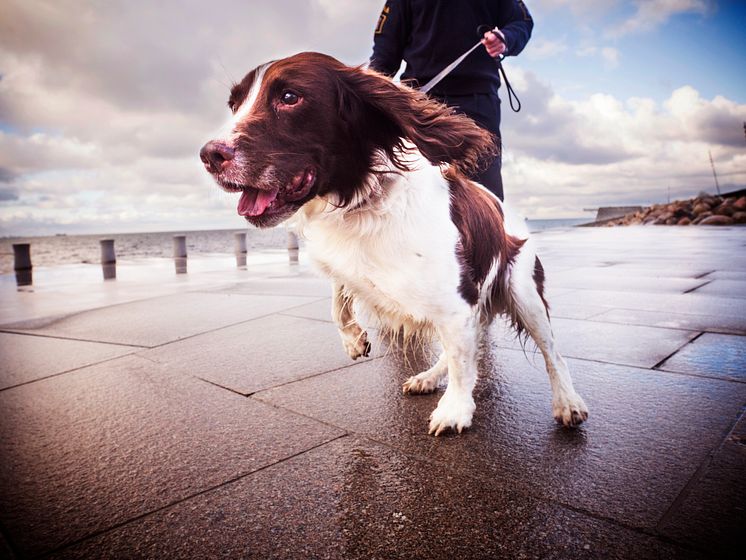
309 126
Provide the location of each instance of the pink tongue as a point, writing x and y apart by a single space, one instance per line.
254 202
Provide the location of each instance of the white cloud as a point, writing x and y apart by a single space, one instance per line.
104 107
562 156
540 48
610 56
649 14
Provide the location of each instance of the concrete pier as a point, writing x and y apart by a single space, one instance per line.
218 416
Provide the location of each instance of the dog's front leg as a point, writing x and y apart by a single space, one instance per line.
456 407
354 338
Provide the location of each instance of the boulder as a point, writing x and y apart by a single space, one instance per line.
724 209
700 208
702 216
739 217
717 220
740 204
684 221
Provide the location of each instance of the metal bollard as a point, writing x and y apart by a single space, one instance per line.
22 263
180 254
240 244
293 247
108 259
180 249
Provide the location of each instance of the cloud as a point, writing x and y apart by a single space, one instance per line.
610 56
541 48
650 14
561 156
104 107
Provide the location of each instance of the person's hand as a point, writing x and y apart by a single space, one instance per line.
494 44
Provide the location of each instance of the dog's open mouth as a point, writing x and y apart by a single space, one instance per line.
257 202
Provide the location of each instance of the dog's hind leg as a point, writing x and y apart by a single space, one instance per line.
532 313
427 381
456 407
354 338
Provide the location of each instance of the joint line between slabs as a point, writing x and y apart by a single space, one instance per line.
184 499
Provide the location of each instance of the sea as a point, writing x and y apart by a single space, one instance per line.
63 249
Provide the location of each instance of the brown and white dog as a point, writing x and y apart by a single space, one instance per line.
373 175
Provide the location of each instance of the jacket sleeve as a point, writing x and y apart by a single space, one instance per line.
390 37
516 24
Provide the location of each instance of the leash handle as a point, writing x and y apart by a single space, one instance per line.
515 103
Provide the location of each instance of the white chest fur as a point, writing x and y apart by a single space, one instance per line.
396 252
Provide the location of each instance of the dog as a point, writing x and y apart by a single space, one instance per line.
373 175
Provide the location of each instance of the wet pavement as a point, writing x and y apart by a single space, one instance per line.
216 415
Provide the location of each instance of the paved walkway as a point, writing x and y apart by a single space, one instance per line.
216 415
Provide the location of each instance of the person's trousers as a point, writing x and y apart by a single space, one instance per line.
484 109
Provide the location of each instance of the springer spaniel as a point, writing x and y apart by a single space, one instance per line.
373 173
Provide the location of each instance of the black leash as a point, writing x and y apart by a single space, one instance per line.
515 103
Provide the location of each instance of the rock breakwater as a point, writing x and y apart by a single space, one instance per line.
704 210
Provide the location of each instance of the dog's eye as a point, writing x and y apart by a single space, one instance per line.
232 106
289 98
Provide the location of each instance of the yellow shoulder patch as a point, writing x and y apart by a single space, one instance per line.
382 19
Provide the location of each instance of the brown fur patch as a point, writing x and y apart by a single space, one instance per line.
539 278
483 240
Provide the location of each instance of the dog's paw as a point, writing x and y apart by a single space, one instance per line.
356 346
416 385
454 411
570 410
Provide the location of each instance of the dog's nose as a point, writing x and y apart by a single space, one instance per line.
216 155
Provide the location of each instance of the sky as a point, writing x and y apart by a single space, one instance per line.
104 105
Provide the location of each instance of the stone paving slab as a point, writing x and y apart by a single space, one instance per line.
718 355
160 320
659 269
728 324
728 288
647 434
96 447
257 354
305 285
27 358
320 310
614 280
355 499
712 514
726 275
692 303
606 342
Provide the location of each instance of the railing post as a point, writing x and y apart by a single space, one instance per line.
180 254
108 259
240 245
293 247
22 263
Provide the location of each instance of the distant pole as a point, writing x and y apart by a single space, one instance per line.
712 164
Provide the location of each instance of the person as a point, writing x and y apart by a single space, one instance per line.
430 34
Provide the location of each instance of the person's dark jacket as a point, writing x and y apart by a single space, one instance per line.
430 34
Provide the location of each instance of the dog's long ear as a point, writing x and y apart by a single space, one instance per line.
393 113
